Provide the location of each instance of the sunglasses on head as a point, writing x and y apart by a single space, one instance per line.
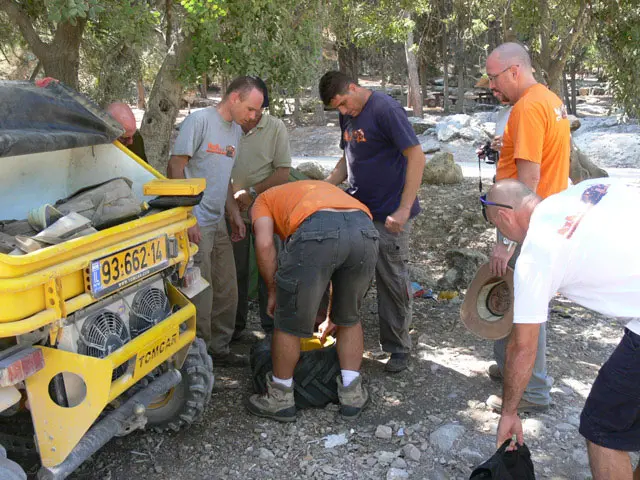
487 203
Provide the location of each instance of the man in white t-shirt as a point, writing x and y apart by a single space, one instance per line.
581 243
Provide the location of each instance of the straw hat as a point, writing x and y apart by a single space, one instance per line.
487 309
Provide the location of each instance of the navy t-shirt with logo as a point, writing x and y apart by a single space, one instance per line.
373 143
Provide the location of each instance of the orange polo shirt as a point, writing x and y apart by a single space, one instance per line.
291 203
538 131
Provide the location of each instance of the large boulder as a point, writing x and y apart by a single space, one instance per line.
463 264
421 125
429 144
574 122
442 170
449 127
581 168
313 170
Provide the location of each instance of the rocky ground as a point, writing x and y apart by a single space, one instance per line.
429 422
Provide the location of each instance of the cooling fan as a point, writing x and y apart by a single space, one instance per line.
103 333
150 306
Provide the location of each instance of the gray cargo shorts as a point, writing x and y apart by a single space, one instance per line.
337 247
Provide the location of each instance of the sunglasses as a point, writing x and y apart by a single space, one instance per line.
486 203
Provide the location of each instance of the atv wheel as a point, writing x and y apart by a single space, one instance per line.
314 378
10 470
184 404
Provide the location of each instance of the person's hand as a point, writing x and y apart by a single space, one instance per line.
496 143
326 328
238 228
499 261
271 303
396 221
194 234
509 426
244 200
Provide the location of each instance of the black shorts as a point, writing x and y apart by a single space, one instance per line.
611 414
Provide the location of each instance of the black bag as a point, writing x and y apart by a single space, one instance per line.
503 465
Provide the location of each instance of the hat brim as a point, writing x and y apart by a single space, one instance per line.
487 310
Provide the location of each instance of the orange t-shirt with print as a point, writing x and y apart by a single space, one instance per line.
538 131
290 204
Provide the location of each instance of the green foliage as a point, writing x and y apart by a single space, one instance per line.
69 10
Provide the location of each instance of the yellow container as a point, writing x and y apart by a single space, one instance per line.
178 186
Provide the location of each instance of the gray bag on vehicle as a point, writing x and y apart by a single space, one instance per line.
105 204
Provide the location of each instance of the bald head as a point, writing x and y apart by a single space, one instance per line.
511 192
122 114
512 54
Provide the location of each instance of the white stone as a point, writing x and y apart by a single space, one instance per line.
384 431
397 474
445 436
266 454
331 441
411 452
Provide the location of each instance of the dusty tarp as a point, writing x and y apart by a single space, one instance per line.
44 119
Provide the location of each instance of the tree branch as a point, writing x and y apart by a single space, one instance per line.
25 25
564 49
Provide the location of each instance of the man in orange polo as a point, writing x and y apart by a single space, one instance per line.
535 150
328 237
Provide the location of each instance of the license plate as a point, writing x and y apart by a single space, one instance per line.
154 351
127 266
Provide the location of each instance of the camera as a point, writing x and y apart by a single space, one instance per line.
488 154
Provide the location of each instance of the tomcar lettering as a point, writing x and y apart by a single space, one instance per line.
157 350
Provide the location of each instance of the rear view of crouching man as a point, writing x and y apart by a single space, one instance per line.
329 237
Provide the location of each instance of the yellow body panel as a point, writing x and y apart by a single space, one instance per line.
179 186
58 429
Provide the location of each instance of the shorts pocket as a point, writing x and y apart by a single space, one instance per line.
371 246
286 297
319 248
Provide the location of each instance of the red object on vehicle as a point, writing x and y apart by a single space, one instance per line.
18 363
45 81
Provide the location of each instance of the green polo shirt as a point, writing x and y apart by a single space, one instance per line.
260 152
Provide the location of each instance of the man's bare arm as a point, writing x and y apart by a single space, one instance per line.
528 173
278 177
177 164
339 173
413 178
520 358
265 251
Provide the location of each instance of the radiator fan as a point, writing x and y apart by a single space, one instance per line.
103 333
150 306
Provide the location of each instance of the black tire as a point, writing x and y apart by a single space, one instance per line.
314 377
185 403
10 470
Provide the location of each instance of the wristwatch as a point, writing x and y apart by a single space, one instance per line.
506 241
253 193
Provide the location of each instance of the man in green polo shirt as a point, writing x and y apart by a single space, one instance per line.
263 162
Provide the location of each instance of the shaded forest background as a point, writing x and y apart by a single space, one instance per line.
160 53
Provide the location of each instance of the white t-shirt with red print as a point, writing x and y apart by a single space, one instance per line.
584 243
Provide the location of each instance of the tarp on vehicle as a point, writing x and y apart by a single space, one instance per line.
53 117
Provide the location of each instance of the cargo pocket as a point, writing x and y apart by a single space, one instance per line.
371 246
286 297
319 248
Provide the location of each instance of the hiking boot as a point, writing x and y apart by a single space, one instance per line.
229 360
353 399
494 372
278 403
397 363
525 406
248 337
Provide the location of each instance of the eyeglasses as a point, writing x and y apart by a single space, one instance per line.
486 203
492 78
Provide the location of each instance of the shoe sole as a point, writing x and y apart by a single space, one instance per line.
530 409
357 414
273 416
392 369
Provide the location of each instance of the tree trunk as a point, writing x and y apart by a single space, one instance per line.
348 60
204 85
61 58
163 105
414 79
460 66
565 88
581 168
297 110
140 88
424 75
574 89
445 60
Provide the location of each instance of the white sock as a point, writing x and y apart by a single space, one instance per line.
348 376
287 382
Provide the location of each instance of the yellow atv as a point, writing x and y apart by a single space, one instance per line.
97 333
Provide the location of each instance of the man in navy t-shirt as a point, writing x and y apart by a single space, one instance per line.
383 162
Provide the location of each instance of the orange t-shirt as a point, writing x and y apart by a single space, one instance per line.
538 131
290 204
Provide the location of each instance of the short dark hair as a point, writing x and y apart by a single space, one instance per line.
334 83
265 92
243 85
